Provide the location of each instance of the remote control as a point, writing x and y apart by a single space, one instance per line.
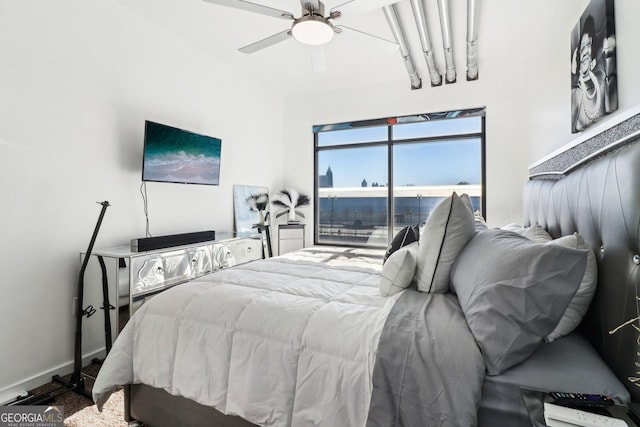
580 399
555 415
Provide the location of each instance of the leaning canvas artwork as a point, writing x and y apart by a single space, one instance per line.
594 91
251 207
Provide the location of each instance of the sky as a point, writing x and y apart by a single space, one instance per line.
415 163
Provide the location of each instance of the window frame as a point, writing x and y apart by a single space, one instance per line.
390 143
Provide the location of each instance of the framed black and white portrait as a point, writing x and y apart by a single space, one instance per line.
594 88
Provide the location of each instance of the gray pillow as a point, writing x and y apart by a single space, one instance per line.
449 227
582 299
513 292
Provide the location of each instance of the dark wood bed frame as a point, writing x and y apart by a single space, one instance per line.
592 187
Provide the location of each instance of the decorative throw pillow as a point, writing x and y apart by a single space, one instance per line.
398 271
403 237
513 292
582 299
448 229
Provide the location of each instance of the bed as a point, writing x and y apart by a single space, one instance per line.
308 339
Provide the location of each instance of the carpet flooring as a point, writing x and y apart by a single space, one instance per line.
112 414
80 411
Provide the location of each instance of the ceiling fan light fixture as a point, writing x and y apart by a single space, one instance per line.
312 30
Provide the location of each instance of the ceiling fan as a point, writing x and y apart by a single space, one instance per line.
312 27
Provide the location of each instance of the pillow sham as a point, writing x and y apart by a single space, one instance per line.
513 292
403 237
448 229
397 273
582 299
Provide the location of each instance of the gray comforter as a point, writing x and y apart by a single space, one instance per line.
428 370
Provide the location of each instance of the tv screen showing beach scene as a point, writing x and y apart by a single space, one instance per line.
179 156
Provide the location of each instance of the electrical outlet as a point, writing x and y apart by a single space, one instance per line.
74 306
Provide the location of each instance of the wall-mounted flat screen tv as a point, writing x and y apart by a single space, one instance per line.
179 156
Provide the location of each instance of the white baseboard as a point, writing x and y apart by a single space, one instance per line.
8 394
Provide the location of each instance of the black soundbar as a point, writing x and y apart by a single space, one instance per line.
144 244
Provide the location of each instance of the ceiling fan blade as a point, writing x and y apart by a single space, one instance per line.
253 7
391 45
269 41
318 59
353 7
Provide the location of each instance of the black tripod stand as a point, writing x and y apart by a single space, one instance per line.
76 383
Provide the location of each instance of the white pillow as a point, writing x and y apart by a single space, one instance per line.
398 271
480 222
534 233
513 226
537 234
449 228
582 299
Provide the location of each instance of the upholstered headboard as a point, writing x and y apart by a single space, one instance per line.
593 188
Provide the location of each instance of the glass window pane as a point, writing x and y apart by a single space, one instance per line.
434 154
352 136
437 162
461 126
425 173
352 196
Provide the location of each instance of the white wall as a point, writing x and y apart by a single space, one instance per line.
77 81
553 105
524 63
79 78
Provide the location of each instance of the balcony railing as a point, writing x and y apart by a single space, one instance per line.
358 215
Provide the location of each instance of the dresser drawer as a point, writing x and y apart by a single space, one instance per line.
291 233
291 237
165 269
236 251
